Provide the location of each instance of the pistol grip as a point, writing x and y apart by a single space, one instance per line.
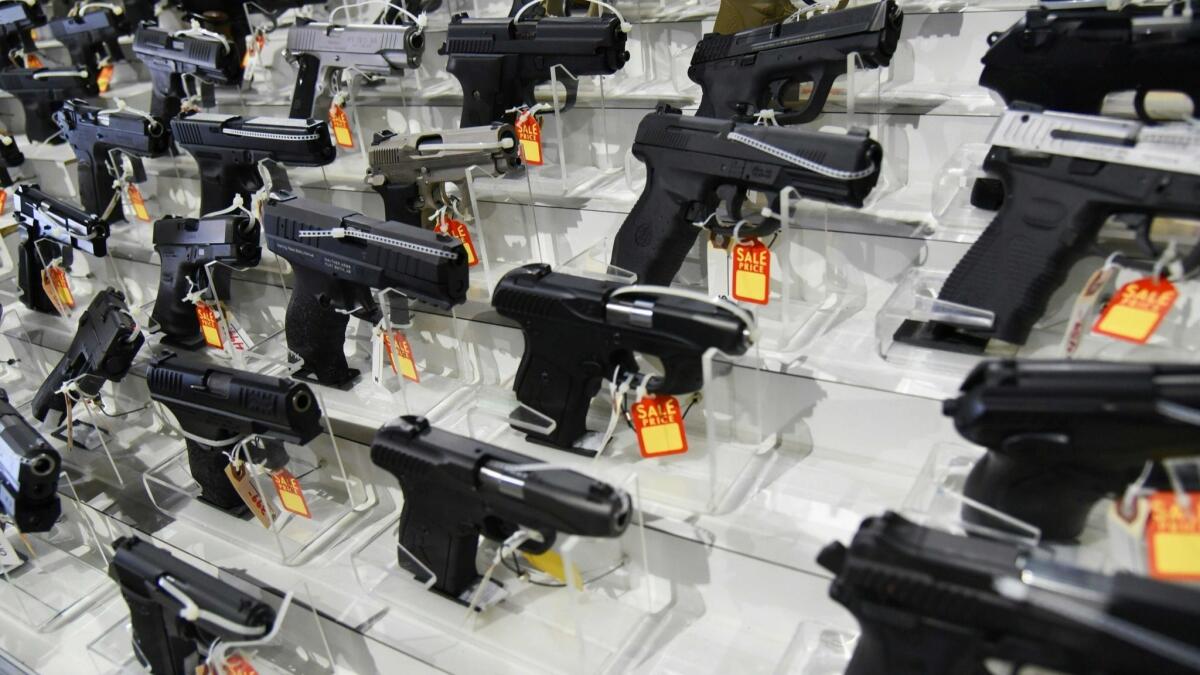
545 382
490 86
177 319
96 191
166 96
656 236
304 95
448 553
207 465
315 330
220 184
31 254
907 649
45 399
154 646
401 203
39 121
1052 497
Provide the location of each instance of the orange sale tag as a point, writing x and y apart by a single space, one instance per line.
291 496
658 423
33 61
137 203
1135 312
104 78
1173 537
458 229
3 200
210 325
238 665
751 271
400 355
529 132
341 126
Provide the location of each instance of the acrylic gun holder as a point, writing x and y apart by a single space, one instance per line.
731 433
333 495
915 297
62 573
535 622
657 67
957 219
298 646
809 286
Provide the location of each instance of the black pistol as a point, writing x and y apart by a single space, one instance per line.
49 229
91 37
42 92
154 583
102 350
18 18
220 404
98 137
932 602
1062 435
759 68
579 330
698 167
228 148
338 256
185 247
171 57
29 470
456 489
498 62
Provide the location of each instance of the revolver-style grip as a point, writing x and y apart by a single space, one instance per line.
166 96
401 203
449 554
96 190
39 121
316 332
488 90
207 465
30 258
1053 498
1042 229
656 236
153 644
545 382
46 399
220 184
308 71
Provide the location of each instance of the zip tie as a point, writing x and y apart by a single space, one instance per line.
80 9
200 33
123 107
616 394
821 169
625 25
45 74
531 110
235 206
766 117
742 313
343 232
509 547
218 649
419 21
192 612
1165 260
1132 490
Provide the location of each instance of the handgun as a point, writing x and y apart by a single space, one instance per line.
10 157
321 51
1062 435
695 165
42 92
216 405
98 138
338 256
1070 59
17 19
91 36
232 19
50 228
410 172
456 489
756 69
185 247
579 331
228 148
1063 175
170 635
498 62
929 601
171 57
102 350
29 470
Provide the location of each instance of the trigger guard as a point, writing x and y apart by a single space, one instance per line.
538 547
572 88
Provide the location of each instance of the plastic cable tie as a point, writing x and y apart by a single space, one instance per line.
780 153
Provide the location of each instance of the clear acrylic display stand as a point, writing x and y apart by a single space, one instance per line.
657 68
498 248
818 649
533 620
296 643
809 288
64 571
957 219
334 496
865 108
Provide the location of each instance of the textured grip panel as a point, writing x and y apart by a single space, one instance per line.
1052 498
401 203
548 387
315 331
152 644
96 191
487 89
656 236
450 555
208 469
176 318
